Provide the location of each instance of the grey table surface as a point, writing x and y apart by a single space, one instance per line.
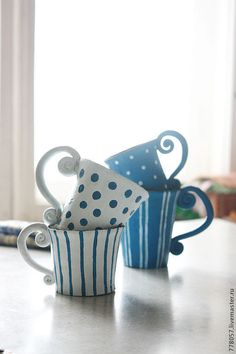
182 309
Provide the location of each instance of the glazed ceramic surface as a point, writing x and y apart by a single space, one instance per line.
146 241
84 261
101 198
142 165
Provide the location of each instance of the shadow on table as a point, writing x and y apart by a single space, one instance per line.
97 305
145 300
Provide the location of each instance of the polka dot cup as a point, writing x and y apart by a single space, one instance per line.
141 163
101 198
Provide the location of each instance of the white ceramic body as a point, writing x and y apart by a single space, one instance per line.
101 198
84 261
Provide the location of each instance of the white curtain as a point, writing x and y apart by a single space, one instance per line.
16 120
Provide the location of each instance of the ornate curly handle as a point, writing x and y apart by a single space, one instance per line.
166 145
186 200
68 166
42 239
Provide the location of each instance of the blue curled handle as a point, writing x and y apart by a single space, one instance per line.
187 200
166 145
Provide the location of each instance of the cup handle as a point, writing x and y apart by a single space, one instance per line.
42 239
165 146
187 200
68 166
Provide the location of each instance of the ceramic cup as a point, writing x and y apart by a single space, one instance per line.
84 261
101 198
146 241
141 163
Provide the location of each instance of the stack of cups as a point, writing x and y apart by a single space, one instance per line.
146 241
84 233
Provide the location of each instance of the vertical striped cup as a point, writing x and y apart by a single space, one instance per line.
84 261
146 240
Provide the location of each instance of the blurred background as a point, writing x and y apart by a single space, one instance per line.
104 76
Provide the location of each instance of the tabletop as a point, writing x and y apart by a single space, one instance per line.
187 308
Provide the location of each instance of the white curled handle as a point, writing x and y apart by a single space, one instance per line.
42 239
68 166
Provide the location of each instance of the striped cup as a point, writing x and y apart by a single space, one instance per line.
84 261
146 240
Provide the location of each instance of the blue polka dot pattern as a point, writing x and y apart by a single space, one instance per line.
138 199
71 226
94 177
128 193
83 222
96 195
113 203
112 185
81 173
83 204
81 188
113 221
125 210
97 212
68 214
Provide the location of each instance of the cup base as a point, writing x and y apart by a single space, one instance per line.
148 267
86 295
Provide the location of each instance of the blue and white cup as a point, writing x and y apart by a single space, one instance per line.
84 261
101 197
142 165
146 241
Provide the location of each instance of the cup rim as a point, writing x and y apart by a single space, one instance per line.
163 190
117 175
119 227
129 149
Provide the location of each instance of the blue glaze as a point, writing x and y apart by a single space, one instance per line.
81 174
112 185
94 177
142 165
105 260
146 240
95 241
83 204
96 212
68 214
83 222
69 261
96 195
113 203
83 283
113 221
81 188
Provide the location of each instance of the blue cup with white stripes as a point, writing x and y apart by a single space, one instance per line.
142 164
146 240
84 261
